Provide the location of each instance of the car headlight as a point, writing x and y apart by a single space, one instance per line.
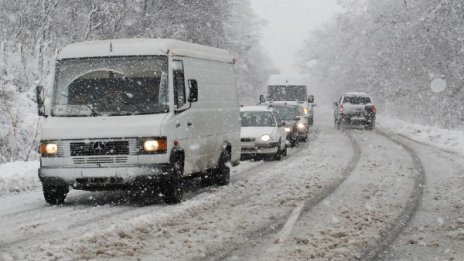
301 126
287 129
154 145
265 138
48 149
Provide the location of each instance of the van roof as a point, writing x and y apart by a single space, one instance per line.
136 47
357 94
287 79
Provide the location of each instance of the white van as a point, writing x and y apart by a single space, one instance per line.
138 113
291 90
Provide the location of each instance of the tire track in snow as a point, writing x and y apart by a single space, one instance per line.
401 222
270 229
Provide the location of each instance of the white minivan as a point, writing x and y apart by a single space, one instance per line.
138 113
291 90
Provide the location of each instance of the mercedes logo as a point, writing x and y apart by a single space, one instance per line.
99 148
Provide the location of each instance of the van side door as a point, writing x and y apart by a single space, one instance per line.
183 127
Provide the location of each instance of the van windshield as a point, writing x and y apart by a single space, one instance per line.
111 86
286 93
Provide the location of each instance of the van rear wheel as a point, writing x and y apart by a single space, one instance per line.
222 171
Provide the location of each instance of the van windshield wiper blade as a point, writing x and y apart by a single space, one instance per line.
94 112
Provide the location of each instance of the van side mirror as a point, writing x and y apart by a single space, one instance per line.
193 86
40 96
282 124
336 104
262 99
311 99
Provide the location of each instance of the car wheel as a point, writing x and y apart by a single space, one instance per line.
285 151
370 126
55 194
173 190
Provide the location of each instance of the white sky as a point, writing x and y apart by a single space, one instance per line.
288 25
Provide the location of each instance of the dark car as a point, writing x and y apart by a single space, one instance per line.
355 109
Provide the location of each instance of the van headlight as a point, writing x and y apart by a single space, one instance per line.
265 138
153 145
48 149
301 126
288 130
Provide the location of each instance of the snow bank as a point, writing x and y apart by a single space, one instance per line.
18 177
449 140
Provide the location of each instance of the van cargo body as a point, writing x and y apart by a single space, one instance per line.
290 90
129 113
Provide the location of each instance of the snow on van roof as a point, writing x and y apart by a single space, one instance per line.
287 79
255 108
131 47
358 94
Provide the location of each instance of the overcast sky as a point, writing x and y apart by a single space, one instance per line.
288 25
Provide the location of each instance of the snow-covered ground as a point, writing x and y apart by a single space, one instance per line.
19 177
450 140
339 197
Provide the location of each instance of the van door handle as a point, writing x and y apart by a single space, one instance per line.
189 124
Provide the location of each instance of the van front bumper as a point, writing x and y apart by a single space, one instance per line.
101 178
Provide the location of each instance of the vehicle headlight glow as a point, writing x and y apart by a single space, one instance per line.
265 138
306 111
287 129
49 149
301 126
151 145
155 145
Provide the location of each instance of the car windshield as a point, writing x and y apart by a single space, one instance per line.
356 100
111 86
287 113
257 119
286 93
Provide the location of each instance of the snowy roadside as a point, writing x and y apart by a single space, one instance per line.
18 177
449 140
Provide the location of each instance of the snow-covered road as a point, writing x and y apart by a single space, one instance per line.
343 196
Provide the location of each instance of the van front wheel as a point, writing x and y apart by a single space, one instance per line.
55 195
173 190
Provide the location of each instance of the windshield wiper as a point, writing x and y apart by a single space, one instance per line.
95 113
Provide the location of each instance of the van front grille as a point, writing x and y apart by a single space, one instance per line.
99 148
100 160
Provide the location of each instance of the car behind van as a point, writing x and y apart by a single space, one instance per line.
138 114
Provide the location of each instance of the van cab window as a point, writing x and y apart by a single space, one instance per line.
179 83
111 86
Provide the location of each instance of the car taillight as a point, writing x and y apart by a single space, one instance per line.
341 109
374 109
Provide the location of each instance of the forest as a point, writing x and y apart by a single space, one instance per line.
394 50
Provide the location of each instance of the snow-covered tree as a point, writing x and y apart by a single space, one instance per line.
394 50
32 31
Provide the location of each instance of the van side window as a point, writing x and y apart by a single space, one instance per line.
179 83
